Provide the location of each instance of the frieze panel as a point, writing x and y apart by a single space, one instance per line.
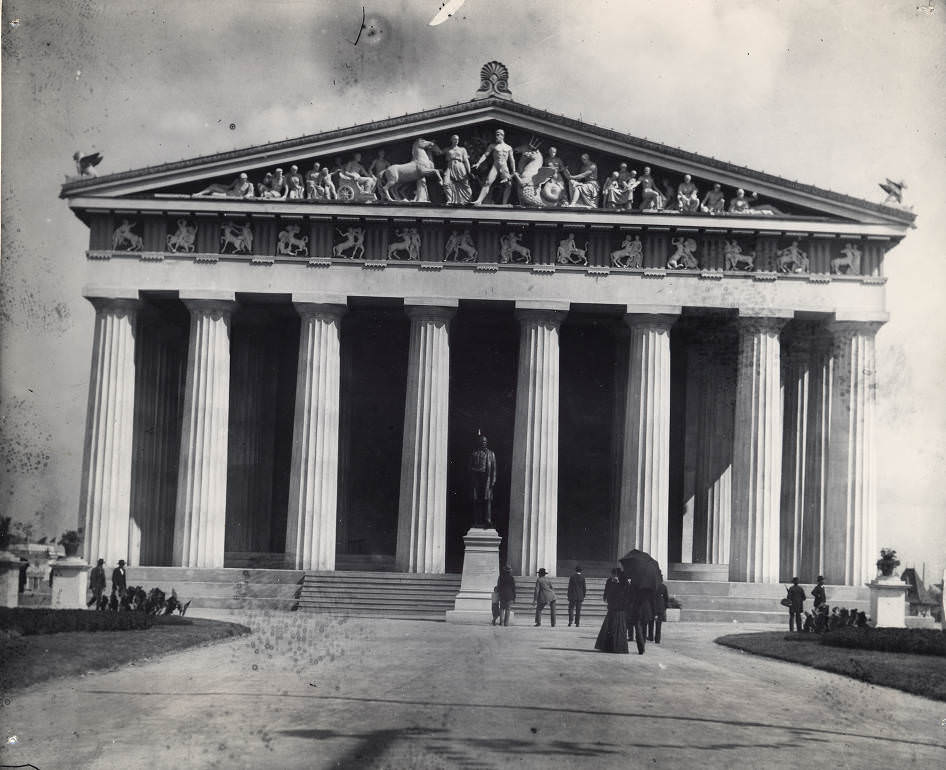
236 237
182 239
127 236
460 246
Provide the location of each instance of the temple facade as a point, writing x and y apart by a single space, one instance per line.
297 346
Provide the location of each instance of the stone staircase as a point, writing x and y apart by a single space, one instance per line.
368 593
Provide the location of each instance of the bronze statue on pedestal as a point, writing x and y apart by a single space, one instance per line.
483 477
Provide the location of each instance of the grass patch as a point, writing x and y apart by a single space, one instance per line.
917 674
27 621
26 660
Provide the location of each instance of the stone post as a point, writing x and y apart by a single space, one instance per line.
200 518
105 498
887 602
422 510
9 579
643 521
533 499
850 536
313 484
70 583
757 450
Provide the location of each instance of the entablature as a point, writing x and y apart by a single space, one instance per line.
487 238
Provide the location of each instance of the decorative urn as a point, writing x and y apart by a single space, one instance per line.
887 562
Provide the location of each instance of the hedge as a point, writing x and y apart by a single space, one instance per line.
917 641
28 621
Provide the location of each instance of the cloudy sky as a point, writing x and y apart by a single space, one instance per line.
839 94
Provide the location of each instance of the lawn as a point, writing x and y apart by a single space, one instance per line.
25 660
918 674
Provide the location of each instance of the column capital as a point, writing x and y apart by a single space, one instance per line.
105 294
841 330
217 303
431 308
659 317
542 311
329 307
758 321
120 306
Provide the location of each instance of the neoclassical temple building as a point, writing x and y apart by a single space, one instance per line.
298 344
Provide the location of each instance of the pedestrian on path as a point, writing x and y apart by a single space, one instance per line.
817 593
796 604
119 581
507 592
660 610
494 601
97 584
613 634
576 595
544 594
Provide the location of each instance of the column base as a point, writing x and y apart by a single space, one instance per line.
70 583
480 574
887 602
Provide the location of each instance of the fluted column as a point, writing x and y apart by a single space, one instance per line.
850 535
816 457
644 514
422 510
533 500
313 485
106 478
757 451
796 366
200 516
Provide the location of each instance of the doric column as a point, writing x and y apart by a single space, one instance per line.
757 450
850 535
533 500
106 476
313 484
796 365
422 511
644 516
200 517
816 456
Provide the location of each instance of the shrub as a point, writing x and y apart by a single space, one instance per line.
28 621
917 641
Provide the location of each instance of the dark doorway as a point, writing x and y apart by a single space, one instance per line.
374 351
484 340
264 346
586 430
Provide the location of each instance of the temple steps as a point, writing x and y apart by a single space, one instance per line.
370 593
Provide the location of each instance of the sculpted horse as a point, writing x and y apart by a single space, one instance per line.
419 168
535 184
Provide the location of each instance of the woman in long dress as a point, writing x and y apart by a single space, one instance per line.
456 180
613 634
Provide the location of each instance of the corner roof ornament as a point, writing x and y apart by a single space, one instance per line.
494 81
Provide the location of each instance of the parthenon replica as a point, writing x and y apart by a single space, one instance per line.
298 345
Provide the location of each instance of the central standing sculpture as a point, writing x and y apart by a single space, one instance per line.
480 544
483 476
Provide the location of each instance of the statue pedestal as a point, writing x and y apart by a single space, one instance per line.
9 579
70 583
480 574
887 602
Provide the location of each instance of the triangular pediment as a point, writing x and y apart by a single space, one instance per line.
475 123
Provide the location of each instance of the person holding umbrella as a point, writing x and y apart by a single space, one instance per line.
642 570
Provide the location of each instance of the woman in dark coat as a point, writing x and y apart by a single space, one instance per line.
507 593
613 634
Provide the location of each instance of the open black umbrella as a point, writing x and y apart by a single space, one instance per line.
641 568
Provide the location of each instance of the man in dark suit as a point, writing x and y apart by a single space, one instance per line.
576 595
796 603
817 593
97 584
119 583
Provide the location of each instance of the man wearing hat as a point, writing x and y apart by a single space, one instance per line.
544 594
576 595
97 584
119 584
817 593
796 604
